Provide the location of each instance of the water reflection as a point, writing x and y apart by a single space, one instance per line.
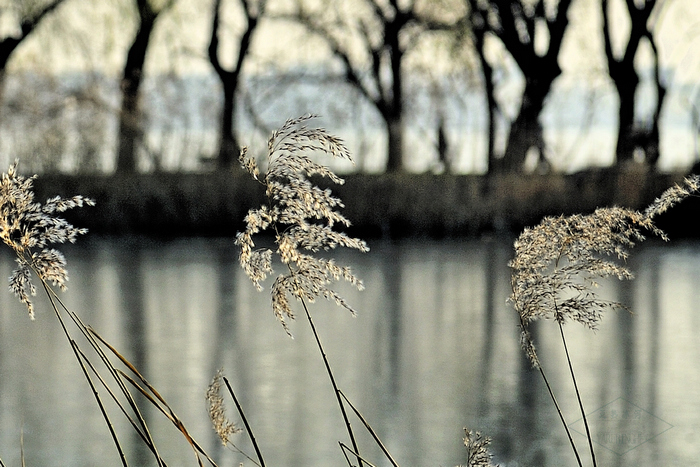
434 348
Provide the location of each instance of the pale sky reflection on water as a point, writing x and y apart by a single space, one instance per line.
434 348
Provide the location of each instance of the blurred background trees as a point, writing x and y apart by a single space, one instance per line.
370 40
130 118
231 78
635 135
460 85
26 15
532 32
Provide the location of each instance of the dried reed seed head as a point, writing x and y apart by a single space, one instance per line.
28 227
673 196
248 163
217 410
294 137
302 217
557 263
478 454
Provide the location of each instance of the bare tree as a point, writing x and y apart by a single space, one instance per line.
230 79
130 131
632 134
385 31
517 24
478 28
31 14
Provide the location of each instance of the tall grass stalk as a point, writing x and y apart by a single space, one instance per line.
336 391
29 228
371 431
224 428
578 396
346 449
261 461
302 218
557 265
477 446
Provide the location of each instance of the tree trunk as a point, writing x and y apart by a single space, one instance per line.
626 82
514 23
492 110
634 135
3 76
479 30
394 101
652 150
652 147
130 121
394 162
228 144
230 79
526 130
9 44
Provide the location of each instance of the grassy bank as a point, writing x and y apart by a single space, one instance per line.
379 205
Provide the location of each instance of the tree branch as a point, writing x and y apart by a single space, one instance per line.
27 25
558 26
337 50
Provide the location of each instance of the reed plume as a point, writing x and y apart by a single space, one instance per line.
301 216
558 263
29 227
217 411
477 445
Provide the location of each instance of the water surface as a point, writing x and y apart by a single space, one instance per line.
433 349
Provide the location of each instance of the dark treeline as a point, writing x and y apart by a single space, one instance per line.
381 206
378 54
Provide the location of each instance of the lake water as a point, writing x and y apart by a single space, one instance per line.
434 348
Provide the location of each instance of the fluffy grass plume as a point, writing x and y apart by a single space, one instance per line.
28 228
477 445
301 216
557 264
217 411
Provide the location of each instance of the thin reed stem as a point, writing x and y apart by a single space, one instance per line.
578 395
345 448
119 404
90 336
21 447
333 383
371 431
245 422
151 394
74 347
80 356
561 416
556 405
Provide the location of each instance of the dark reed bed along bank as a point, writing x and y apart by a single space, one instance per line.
401 205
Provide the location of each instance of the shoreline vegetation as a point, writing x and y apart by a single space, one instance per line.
386 205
